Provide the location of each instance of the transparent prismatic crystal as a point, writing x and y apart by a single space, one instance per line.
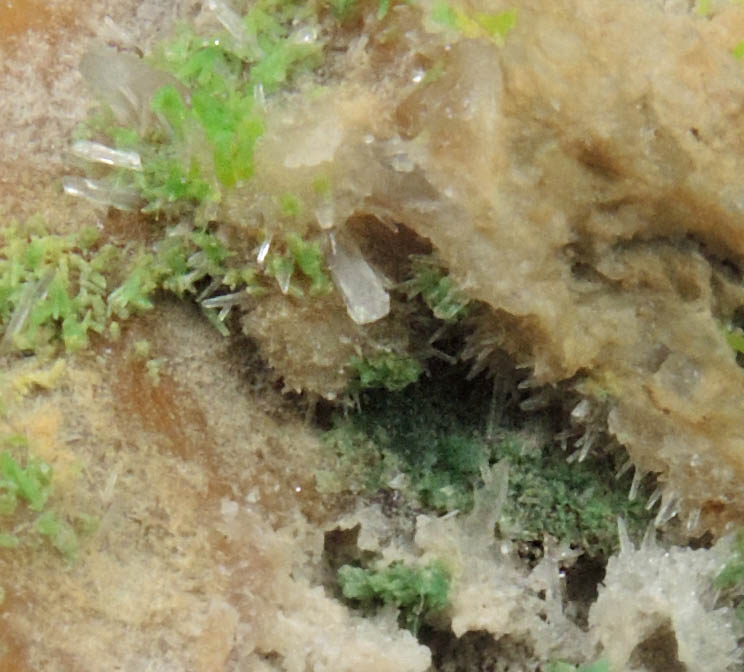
362 290
99 153
100 192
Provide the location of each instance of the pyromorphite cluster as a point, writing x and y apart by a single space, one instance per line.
52 286
438 290
415 591
193 133
387 369
731 578
29 487
599 666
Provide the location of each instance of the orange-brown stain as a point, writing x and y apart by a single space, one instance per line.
13 651
56 24
41 427
165 410
18 16
13 656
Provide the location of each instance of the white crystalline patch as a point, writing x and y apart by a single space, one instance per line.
228 508
650 588
98 153
402 163
365 297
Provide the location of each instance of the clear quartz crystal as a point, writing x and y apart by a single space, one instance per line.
581 410
99 153
222 301
232 22
693 519
626 545
263 250
668 509
99 192
638 477
362 290
259 95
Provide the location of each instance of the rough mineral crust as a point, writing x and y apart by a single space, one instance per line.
582 181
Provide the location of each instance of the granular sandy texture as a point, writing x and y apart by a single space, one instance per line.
210 536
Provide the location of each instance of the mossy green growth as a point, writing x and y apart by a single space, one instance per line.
67 287
29 485
438 290
426 432
388 370
310 260
578 503
171 181
170 185
60 533
290 205
731 578
134 295
558 666
430 441
64 288
294 252
493 26
180 262
51 287
25 490
415 590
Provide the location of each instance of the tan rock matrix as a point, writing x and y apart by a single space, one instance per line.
582 180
